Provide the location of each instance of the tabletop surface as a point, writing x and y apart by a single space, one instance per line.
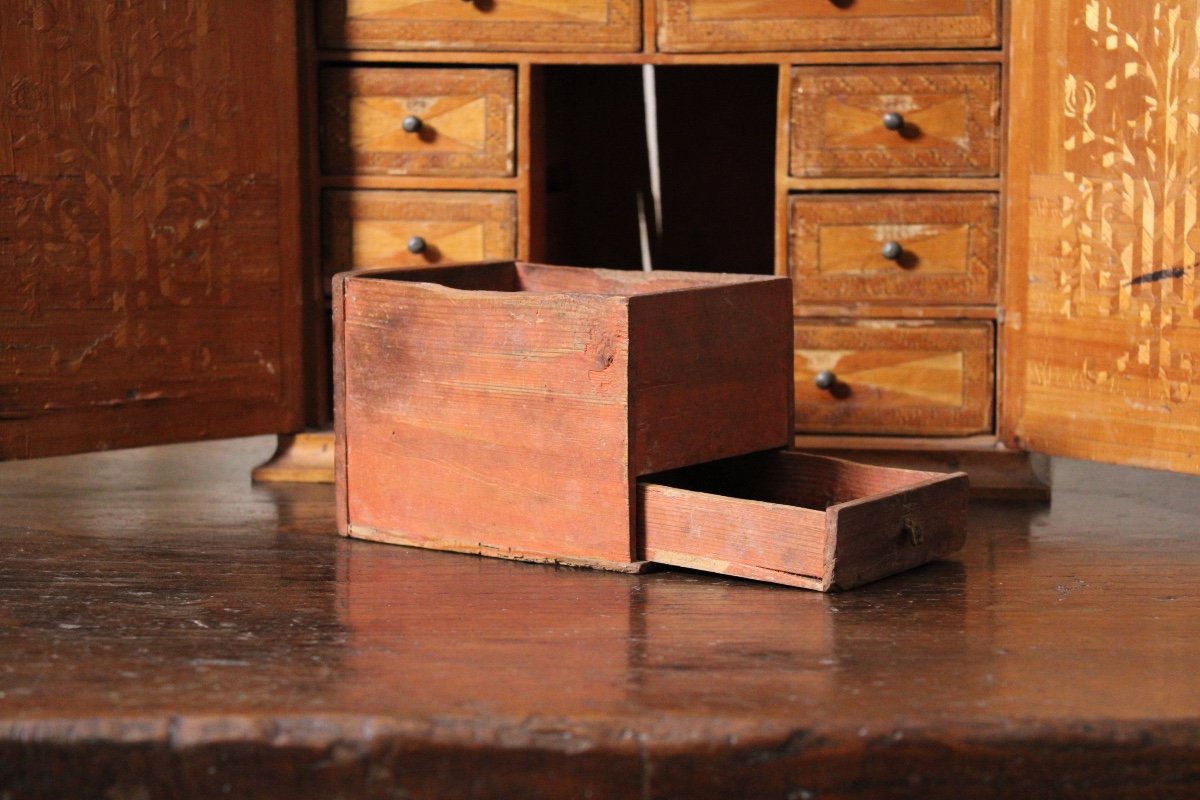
167 628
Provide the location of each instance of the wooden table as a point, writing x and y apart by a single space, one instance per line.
168 629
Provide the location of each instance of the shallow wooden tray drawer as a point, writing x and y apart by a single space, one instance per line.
895 121
919 378
417 121
799 519
718 25
521 25
374 229
904 249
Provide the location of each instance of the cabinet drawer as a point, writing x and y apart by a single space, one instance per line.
913 378
522 25
912 120
372 229
711 25
433 122
893 248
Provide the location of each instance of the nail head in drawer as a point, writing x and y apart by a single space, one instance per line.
417 121
913 378
802 520
922 121
925 249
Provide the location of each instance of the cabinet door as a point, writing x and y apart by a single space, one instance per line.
1102 335
149 265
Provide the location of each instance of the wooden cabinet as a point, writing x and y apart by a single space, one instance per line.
171 213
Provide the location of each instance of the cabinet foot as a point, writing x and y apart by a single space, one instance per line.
299 458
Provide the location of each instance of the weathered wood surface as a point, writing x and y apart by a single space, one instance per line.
718 25
894 377
1102 339
949 248
514 421
520 25
467 121
150 287
951 121
169 629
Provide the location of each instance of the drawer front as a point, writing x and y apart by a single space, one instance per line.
912 120
893 249
894 377
421 122
711 25
374 229
522 25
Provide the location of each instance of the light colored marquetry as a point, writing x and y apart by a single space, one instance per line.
948 246
1103 356
467 120
738 25
951 121
894 377
519 25
372 229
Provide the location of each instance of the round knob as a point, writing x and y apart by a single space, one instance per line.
826 379
412 124
893 121
417 245
891 251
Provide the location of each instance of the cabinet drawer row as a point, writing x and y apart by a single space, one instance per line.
681 25
924 120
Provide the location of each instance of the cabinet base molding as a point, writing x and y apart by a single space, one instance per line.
299 458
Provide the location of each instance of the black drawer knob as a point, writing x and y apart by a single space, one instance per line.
893 121
891 251
825 379
417 245
412 123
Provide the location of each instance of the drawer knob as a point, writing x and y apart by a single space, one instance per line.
412 124
826 379
893 121
417 244
891 251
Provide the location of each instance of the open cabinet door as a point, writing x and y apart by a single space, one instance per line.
150 286
1102 334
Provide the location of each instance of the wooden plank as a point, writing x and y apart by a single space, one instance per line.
948 248
150 285
931 56
949 118
1101 340
553 25
466 120
707 25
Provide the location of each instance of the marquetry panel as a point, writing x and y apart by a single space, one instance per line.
462 121
1104 357
947 248
521 25
722 25
374 229
950 121
893 377
149 268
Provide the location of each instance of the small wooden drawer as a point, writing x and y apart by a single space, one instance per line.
719 25
377 228
521 25
418 121
799 519
914 378
893 248
896 121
